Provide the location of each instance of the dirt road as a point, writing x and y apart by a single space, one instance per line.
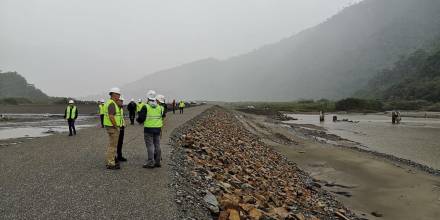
61 177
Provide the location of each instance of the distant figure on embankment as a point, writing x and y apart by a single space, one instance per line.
101 111
321 116
71 114
181 106
174 106
395 117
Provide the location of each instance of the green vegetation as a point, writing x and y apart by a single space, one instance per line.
413 83
297 106
354 104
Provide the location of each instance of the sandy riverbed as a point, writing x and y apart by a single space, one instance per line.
362 181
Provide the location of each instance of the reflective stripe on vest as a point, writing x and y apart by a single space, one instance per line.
70 112
118 116
154 117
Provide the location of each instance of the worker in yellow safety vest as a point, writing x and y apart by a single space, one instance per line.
152 115
71 114
181 106
113 121
101 111
119 157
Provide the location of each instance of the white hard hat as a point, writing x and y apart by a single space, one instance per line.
151 95
115 90
71 102
131 100
102 100
139 100
160 98
121 98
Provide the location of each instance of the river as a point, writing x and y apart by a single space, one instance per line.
38 125
416 139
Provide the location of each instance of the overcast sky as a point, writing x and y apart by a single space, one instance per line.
82 47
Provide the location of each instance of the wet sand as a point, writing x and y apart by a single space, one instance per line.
363 182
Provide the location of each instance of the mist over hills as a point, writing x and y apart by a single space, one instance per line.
332 60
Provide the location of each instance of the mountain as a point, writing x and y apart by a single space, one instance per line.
415 77
13 85
332 60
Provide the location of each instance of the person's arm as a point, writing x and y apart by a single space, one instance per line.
164 113
111 114
65 113
142 115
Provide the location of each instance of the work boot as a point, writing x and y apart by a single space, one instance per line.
157 165
113 167
148 166
121 159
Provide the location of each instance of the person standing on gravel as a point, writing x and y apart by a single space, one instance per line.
131 107
139 105
181 106
112 122
101 111
151 115
71 114
119 157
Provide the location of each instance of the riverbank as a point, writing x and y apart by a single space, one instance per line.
369 184
235 175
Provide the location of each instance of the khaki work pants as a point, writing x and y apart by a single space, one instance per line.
113 134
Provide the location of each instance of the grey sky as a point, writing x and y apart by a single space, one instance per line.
82 47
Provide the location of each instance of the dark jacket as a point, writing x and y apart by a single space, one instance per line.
142 116
76 115
131 107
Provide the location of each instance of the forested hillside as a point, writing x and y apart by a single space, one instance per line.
415 77
332 60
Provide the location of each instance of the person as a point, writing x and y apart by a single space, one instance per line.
132 107
101 111
139 105
321 116
113 123
151 115
174 106
398 117
181 106
119 157
393 117
161 100
71 114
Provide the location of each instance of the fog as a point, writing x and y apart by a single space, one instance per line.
77 48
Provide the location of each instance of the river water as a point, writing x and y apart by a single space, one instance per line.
38 125
416 139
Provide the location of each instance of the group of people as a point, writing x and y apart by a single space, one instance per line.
150 114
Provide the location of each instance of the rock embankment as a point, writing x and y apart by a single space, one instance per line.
221 167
